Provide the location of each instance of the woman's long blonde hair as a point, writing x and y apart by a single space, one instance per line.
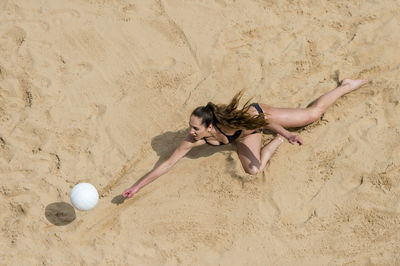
230 116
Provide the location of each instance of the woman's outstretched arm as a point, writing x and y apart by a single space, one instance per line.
164 167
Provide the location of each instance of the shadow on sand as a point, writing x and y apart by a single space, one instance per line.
165 144
60 213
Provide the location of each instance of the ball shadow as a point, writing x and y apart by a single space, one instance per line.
60 213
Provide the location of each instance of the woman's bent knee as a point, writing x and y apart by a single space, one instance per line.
252 170
315 114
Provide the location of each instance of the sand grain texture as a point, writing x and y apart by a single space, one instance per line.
101 92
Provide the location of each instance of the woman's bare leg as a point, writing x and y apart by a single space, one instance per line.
253 158
298 117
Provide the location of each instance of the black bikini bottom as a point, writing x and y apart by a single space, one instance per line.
260 111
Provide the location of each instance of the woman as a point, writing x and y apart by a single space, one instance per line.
223 124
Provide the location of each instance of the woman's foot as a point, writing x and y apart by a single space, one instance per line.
352 84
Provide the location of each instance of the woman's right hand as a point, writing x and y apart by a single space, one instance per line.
295 139
128 193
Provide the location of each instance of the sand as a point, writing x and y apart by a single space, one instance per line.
101 91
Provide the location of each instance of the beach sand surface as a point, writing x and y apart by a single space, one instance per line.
101 91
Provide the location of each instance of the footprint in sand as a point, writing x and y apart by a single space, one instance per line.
293 209
268 209
16 35
359 130
25 59
349 184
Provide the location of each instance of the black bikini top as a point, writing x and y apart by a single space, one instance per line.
231 138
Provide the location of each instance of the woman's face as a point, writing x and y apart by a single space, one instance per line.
197 129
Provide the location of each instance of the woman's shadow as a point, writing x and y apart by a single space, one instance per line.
165 144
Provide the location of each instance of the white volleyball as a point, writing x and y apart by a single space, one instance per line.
84 196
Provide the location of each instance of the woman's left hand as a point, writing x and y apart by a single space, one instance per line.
294 138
